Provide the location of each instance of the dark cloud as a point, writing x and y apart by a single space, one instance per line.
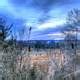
47 4
20 9
44 18
40 4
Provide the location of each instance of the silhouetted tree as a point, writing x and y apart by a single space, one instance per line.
70 31
72 28
4 29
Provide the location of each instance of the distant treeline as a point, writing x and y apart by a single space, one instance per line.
42 44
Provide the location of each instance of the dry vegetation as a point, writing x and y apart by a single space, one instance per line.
60 63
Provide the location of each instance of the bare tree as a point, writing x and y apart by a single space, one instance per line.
4 29
9 51
70 32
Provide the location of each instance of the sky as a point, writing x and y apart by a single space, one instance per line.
46 17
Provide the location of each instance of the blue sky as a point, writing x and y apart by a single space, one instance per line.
46 17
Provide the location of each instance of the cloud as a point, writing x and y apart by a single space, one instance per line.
51 23
45 16
47 4
59 35
50 33
43 5
40 4
51 36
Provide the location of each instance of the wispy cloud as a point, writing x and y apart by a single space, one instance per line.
59 35
52 23
44 16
